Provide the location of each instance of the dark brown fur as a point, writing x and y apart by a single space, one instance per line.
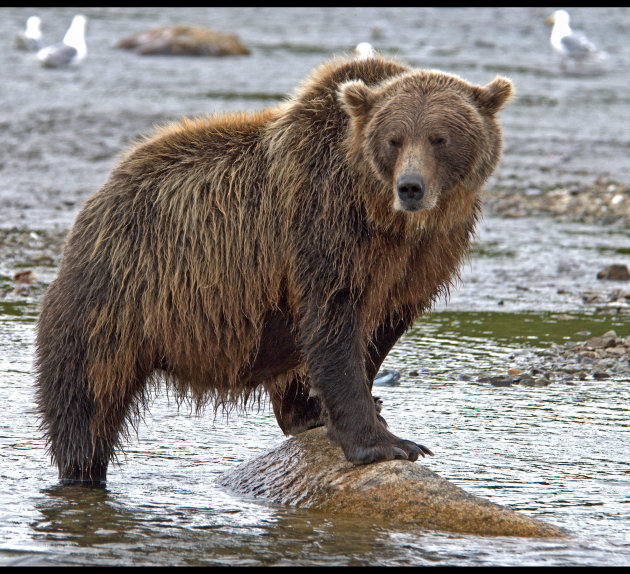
226 253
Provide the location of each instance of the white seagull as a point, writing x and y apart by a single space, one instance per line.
363 51
31 38
571 45
72 50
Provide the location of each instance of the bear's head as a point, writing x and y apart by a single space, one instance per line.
424 133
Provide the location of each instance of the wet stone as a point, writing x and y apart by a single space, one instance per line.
600 342
599 358
528 381
616 272
184 41
24 277
617 350
308 471
539 382
501 381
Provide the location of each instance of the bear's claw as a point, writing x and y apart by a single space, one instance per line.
388 449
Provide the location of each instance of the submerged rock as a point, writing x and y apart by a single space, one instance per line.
184 41
308 471
616 272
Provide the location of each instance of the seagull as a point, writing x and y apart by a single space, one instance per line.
363 51
31 38
572 46
72 50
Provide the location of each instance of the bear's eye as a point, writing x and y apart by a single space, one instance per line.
437 140
395 143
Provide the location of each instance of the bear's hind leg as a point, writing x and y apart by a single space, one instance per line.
83 433
295 408
82 430
298 410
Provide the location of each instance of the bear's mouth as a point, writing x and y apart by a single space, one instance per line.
416 202
410 205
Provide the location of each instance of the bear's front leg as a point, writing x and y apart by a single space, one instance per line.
336 361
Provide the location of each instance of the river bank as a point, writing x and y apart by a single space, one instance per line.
602 202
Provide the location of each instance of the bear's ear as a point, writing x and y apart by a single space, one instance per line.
356 98
492 97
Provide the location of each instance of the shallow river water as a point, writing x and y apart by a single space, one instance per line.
559 453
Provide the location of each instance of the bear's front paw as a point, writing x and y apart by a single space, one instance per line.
386 447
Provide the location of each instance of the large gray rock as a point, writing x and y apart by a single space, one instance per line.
308 471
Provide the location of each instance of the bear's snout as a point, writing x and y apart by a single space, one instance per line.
410 189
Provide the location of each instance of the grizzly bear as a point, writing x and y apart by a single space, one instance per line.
284 250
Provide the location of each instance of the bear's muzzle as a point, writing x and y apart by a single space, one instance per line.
410 190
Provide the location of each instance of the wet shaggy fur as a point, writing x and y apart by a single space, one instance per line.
269 250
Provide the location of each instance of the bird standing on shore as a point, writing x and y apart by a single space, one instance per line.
364 50
72 50
571 45
31 38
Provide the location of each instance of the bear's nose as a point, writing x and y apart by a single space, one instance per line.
410 186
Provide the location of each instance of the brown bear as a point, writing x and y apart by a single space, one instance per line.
284 250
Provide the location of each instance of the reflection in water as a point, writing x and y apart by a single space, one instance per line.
86 516
95 528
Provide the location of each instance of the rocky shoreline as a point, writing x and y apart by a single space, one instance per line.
598 358
603 202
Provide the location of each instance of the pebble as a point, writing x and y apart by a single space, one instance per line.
24 277
599 358
615 272
602 202
608 339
